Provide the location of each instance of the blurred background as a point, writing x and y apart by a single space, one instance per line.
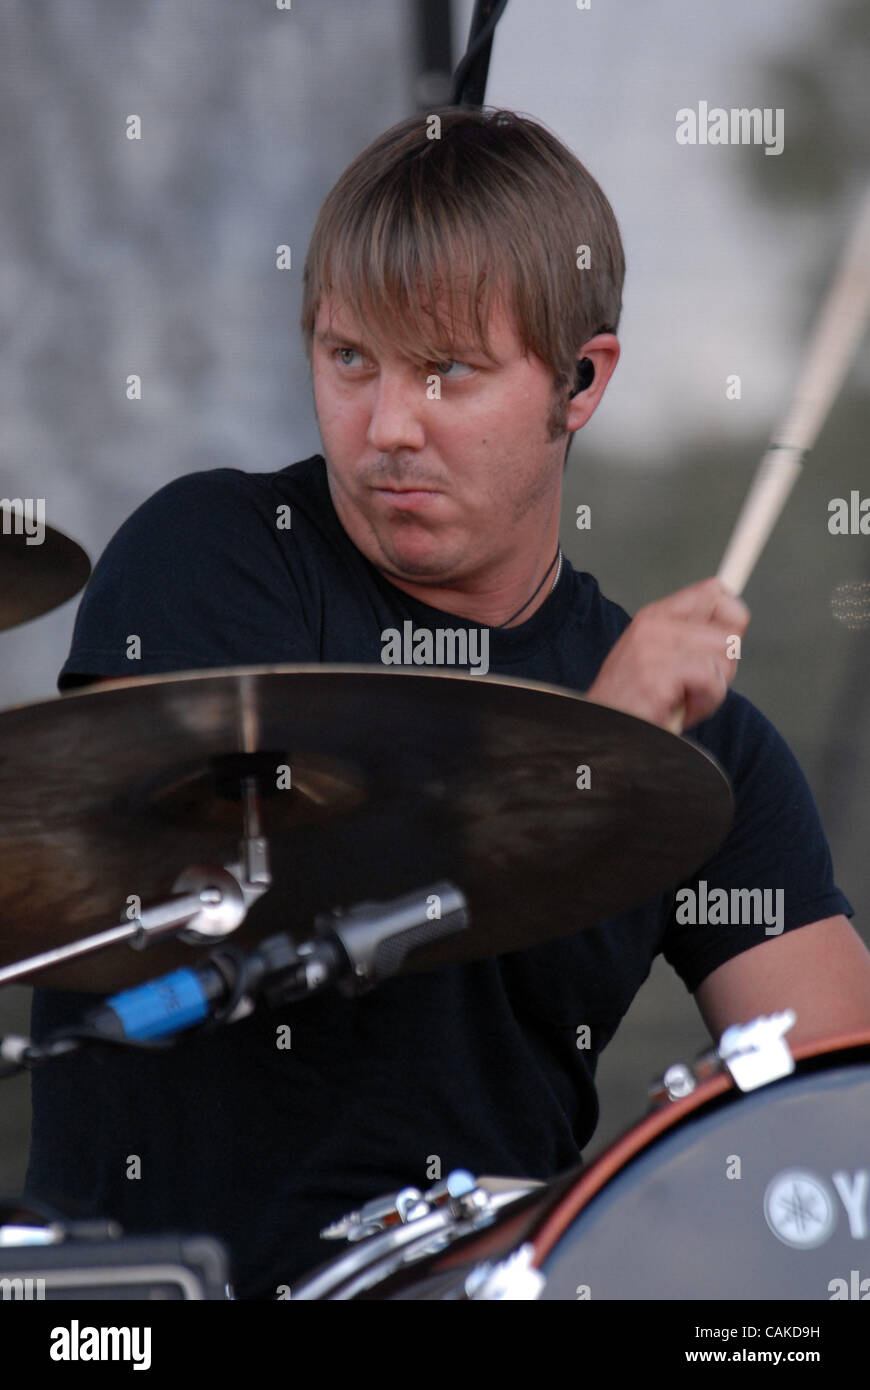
157 257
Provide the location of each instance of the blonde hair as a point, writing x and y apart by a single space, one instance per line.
495 206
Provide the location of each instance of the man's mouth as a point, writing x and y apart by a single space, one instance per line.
405 487
407 496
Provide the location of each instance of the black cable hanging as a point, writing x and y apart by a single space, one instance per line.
469 79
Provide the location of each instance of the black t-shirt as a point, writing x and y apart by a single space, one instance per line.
476 1066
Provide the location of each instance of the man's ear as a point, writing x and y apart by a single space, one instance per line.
596 364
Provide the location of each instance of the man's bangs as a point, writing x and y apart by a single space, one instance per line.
427 304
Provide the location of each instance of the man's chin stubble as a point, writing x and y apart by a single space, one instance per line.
420 573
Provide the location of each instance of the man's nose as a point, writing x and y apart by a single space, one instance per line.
398 403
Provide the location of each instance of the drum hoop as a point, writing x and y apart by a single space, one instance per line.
629 1145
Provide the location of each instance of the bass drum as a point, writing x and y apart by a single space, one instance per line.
724 1194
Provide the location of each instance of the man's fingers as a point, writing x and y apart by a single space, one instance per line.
707 601
674 663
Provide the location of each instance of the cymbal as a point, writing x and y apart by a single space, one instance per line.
397 779
36 578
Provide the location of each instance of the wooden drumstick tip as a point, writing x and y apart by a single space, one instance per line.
676 721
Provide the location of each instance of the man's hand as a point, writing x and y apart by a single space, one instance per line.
671 665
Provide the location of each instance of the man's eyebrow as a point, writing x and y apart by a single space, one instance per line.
327 337
457 351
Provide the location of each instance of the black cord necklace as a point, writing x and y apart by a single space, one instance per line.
557 556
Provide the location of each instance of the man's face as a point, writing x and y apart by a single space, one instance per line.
435 489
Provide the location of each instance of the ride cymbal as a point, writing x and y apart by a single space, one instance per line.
372 783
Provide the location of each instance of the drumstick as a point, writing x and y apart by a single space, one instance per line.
836 334
837 331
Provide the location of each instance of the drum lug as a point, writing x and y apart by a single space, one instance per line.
457 1191
396 1208
757 1053
754 1053
514 1279
678 1081
681 1079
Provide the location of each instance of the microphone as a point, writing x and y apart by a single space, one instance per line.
356 948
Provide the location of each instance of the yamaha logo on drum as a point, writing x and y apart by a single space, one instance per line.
801 1209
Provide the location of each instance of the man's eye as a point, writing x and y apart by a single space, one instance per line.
339 351
451 362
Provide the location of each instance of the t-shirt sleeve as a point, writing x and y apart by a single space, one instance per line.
776 844
199 576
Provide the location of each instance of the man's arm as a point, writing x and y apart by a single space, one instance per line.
822 971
